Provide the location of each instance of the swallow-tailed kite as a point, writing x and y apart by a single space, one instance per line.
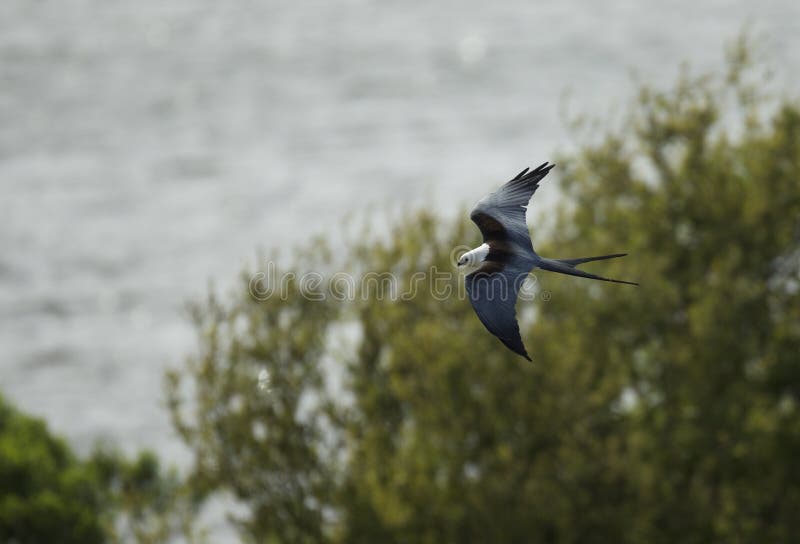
506 257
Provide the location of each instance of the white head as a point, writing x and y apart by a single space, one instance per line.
474 257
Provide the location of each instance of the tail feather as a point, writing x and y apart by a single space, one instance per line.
575 262
567 266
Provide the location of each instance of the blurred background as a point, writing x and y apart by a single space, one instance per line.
149 148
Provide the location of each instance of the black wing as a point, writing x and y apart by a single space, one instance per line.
501 215
493 290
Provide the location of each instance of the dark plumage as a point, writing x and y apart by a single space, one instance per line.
507 257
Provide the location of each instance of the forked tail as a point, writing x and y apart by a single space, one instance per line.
567 266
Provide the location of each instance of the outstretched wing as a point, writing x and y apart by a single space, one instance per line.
501 215
493 290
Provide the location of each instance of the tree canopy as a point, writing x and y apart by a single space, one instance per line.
663 413
357 398
48 494
45 494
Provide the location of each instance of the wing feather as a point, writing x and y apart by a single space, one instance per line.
500 216
493 291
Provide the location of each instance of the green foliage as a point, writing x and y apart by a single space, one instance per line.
144 503
254 444
665 413
47 494
709 345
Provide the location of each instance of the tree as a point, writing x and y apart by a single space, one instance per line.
47 494
659 414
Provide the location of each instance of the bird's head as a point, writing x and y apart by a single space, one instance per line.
474 257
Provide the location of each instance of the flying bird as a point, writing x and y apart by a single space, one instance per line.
506 257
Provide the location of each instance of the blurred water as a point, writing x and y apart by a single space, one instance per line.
147 147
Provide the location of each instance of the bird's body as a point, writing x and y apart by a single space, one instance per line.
506 257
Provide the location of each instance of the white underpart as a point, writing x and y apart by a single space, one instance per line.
476 256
